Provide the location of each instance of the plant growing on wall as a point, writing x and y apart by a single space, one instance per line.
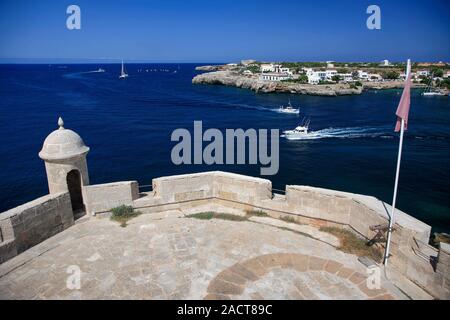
123 213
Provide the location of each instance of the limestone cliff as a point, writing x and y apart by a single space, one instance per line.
229 78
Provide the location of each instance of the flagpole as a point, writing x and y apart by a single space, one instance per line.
397 173
391 218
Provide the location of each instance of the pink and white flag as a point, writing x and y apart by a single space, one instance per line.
403 106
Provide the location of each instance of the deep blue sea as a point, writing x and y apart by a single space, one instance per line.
128 124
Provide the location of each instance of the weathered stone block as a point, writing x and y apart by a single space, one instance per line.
103 197
35 221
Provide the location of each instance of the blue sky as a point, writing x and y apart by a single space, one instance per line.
223 31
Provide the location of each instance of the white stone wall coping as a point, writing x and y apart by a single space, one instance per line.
214 173
382 208
17 210
110 184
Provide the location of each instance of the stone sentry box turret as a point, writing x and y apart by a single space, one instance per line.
64 153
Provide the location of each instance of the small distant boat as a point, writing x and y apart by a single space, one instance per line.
299 132
123 73
289 109
100 70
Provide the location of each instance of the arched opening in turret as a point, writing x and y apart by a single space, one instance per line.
76 195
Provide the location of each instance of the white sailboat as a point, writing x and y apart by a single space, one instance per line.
123 73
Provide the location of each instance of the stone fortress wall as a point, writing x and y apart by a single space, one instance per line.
33 222
411 254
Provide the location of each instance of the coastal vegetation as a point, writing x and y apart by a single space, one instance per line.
356 84
303 79
444 83
323 78
123 214
253 68
390 75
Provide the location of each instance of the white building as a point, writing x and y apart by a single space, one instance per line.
346 77
329 74
363 75
314 77
385 63
374 77
274 76
275 68
425 73
267 67
280 69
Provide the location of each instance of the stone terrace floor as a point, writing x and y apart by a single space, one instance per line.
169 256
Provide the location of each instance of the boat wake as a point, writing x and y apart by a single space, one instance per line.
346 133
79 75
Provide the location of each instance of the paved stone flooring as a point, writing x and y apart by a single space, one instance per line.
169 256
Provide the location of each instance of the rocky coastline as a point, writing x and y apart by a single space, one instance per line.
215 75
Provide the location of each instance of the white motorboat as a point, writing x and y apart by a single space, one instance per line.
100 70
300 132
433 93
123 73
289 109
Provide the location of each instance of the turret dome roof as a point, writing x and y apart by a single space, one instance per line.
62 144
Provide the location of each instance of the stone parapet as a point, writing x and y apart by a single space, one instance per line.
357 211
239 193
304 204
33 222
102 197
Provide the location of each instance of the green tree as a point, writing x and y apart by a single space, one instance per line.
390 75
303 78
336 78
437 72
253 68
